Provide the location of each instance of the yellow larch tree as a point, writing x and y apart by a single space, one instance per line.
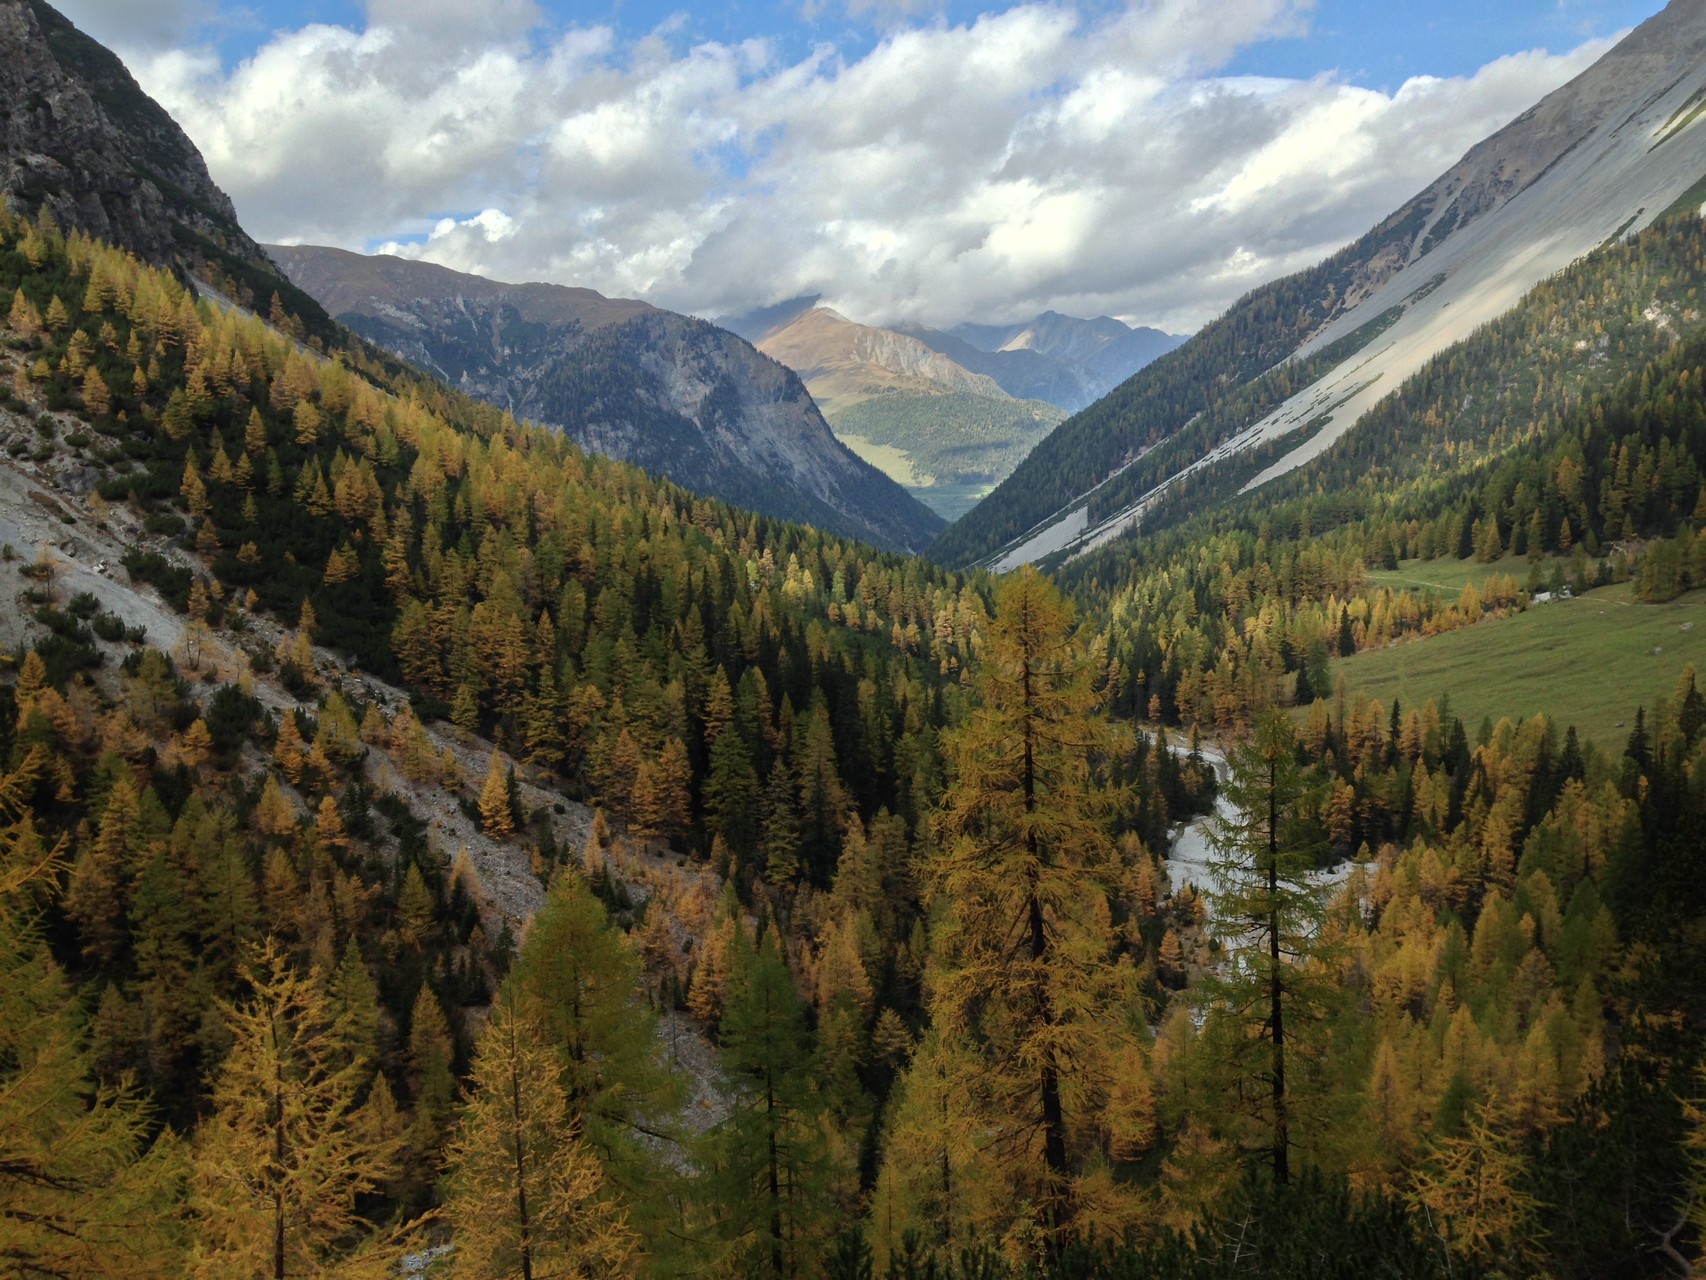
495 815
524 1192
1469 1192
286 1154
84 1188
1024 981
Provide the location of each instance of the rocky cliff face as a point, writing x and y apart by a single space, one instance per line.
78 135
1545 145
675 395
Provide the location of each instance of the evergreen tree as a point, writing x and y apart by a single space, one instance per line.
432 1079
781 839
1025 979
577 979
766 1157
731 794
1271 982
524 1192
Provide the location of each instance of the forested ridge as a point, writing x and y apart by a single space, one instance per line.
952 437
668 393
1570 430
888 835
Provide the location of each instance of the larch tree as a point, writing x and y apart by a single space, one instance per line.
84 1189
495 814
432 1080
927 1187
524 1191
1272 981
577 978
1024 978
285 1156
1469 1192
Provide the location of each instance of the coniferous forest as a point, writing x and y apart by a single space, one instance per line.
495 860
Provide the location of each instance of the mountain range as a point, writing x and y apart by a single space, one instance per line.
946 432
949 414
81 140
670 393
1068 362
1295 364
372 763
1061 360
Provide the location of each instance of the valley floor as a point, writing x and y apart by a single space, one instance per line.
1587 661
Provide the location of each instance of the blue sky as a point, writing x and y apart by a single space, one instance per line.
1379 44
906 160
1373 43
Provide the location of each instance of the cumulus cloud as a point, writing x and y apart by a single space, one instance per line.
1040 157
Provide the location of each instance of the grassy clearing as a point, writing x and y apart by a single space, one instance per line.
1449 576
1588 662
892 462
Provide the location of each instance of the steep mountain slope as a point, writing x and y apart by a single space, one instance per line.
80 138
437 557
929 422
675 395
1061 359
1603 156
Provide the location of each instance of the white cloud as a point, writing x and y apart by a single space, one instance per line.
1034 158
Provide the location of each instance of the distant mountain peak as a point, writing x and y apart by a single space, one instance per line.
678 396
753 325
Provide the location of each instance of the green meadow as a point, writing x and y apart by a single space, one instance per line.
1449 576
1589 661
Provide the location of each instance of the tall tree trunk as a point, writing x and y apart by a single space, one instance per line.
1056 1211
278 1160
520 1156
777 1259
947 1168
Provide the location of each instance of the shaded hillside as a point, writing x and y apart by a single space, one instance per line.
672 394
948 438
